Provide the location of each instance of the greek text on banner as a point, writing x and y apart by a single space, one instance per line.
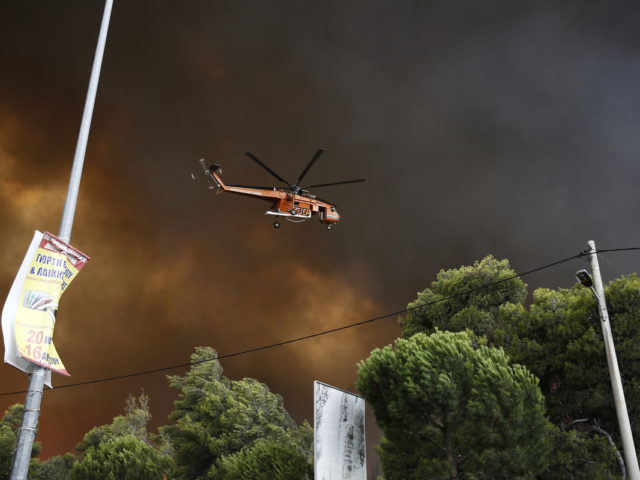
28 317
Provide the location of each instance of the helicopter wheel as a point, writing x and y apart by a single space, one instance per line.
276 224
329 227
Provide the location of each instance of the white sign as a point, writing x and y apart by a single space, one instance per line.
339 447
28 316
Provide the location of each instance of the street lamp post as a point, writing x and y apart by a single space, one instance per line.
27 431
596 287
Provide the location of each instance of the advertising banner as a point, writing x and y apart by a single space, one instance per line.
339 447
28 317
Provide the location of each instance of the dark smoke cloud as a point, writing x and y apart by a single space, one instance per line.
489 127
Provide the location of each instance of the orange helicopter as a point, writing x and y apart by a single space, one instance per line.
292 202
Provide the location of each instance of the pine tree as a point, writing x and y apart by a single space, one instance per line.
219 422
450 405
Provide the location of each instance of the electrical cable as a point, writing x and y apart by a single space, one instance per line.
629 249
329 331
604 257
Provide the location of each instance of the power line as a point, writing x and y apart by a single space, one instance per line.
604 257
629 249
332 330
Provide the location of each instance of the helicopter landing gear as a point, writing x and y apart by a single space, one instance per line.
329 227
276 224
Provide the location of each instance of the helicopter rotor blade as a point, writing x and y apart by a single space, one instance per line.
309 165
257 160
358 180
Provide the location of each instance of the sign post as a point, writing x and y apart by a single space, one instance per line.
39 373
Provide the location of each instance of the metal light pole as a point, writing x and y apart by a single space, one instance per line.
27 432
628 446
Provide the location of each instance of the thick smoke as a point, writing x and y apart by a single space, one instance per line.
489 127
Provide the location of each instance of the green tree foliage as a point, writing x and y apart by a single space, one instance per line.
577 456
559 338
9 426
54 468
469 303
216 419
265 460
133 423
7 447
447 403
121 458
122 450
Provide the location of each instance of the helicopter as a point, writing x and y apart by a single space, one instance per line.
293 202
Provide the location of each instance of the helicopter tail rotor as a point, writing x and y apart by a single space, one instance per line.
212 180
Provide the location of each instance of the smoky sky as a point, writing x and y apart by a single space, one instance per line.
481 127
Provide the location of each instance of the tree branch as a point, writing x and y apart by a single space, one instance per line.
596 428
